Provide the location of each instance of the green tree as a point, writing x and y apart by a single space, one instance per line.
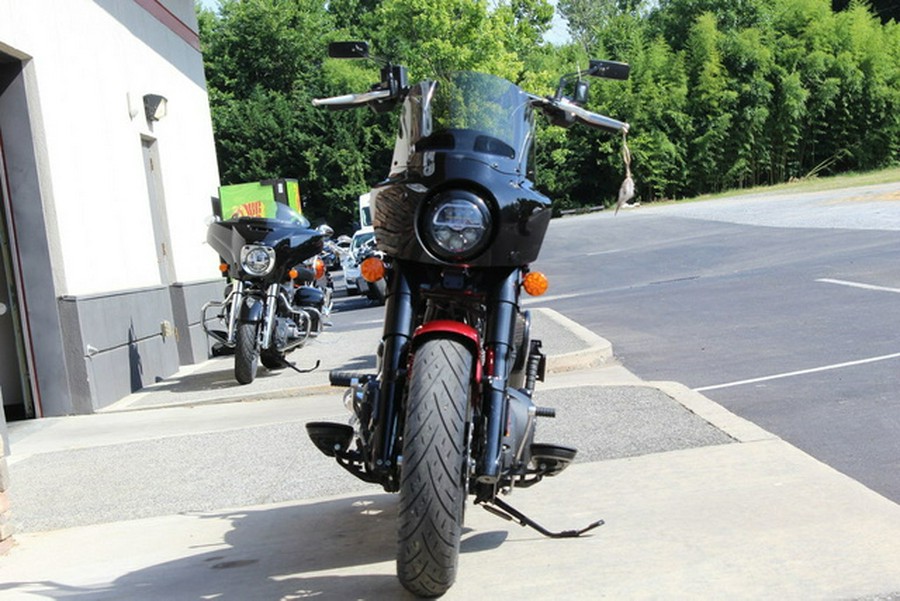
265 62
435 37
264 43
675 18
749 63
711 107
587 19
722 93
658 115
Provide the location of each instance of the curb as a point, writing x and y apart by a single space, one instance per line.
718 416
595 351
598 352
263 395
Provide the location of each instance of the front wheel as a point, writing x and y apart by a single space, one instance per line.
246 353
433 473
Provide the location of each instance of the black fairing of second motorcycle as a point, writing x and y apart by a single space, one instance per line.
293 242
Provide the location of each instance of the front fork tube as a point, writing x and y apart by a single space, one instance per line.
398 330
237 301
268 324
501 329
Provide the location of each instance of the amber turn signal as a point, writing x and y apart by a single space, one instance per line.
320 268
223 267
293 274
535 283
372 269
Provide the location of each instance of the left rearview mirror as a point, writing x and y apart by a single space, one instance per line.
348 50
609 69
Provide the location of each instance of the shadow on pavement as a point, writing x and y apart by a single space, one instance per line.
283 552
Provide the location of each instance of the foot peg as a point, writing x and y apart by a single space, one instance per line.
551 459
348 378
330 438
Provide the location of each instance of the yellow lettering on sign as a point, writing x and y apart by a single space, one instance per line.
250 209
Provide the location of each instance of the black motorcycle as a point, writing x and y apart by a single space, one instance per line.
272 304
449 412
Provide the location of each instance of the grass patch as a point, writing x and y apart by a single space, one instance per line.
812 184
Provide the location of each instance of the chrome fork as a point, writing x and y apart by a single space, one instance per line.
265 335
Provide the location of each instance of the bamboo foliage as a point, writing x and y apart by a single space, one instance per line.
723 94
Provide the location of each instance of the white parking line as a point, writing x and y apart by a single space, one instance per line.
859 285
799 372
605 252
543 299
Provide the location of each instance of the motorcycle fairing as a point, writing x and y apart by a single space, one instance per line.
484 146
292 242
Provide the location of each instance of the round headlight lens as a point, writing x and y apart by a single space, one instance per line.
456 225
257 260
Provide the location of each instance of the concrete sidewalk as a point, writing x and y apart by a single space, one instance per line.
199 489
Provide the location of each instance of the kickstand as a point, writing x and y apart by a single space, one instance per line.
507 512
302 371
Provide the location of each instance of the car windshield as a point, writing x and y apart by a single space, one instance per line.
359 240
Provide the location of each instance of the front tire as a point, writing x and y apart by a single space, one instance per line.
433 474
246 353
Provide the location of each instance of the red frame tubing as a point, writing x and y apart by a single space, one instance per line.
467 333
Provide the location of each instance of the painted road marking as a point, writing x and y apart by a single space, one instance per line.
543 299
859 285
800 372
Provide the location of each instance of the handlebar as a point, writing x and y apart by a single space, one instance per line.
596 119
352 100
585 116
552 104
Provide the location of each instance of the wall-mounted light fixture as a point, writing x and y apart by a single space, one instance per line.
154 106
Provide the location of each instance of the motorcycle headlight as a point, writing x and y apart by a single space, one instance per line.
456 225
257 260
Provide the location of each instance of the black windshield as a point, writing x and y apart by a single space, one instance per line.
481 115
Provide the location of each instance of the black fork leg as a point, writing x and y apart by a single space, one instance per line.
398 324
501 330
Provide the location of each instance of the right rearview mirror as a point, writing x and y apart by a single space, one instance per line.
609 69
348 50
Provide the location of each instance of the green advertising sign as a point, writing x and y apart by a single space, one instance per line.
258 199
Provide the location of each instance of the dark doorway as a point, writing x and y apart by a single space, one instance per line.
15 382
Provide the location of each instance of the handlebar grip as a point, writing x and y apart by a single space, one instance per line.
597 120
556 105
347 378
